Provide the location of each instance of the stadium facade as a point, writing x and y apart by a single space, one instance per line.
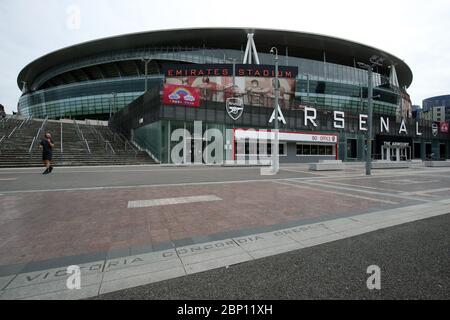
190 75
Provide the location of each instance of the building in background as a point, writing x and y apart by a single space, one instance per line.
438 108
188 76
416 112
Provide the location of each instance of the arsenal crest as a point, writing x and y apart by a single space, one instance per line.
235 108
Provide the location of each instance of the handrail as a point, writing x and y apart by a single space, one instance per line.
15 128
124 139
2 138
87 145
81 135
22 123
100 135
37 134
140 148
107 143
99 138
32 144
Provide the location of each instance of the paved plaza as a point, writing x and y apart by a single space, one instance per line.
135 225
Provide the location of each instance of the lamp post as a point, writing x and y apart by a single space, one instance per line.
275 153
374 61
146 61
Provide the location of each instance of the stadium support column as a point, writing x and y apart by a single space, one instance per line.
370 119
146 61
275 156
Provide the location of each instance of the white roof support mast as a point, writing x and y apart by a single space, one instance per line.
250 50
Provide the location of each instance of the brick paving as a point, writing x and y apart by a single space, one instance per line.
37 226
41 226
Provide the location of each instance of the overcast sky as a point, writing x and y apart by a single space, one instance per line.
415 31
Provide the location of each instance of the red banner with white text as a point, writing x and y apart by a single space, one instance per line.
181 95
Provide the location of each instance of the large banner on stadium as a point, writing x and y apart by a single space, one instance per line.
181 95
254 84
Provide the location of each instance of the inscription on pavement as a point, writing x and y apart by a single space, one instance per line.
60 274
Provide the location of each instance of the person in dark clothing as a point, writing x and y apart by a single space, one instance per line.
47 152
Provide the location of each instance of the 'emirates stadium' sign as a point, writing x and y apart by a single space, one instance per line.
226 70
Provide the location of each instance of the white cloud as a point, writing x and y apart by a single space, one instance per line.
415 31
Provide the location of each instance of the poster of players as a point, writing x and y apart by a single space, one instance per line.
255 85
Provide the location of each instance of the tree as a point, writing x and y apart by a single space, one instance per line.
2 111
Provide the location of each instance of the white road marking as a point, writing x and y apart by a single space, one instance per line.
407 181
359 186
318 178
8 179
424 192
308 187
384 194
171 201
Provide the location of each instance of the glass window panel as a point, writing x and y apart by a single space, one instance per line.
306 149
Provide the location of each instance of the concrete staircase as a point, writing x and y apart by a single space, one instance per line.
75 144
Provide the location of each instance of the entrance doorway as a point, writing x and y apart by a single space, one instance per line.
395 153
417 150
442 151
428 151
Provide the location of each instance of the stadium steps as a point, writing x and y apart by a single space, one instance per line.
14 150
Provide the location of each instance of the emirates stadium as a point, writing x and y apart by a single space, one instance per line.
136 81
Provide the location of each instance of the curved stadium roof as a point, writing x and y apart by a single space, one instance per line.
300 44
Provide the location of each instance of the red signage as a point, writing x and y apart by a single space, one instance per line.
181 95
444 127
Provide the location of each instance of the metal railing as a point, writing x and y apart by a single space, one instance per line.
138 143
108 144
98 134
117 132
12 132
38 134
22 123
127 145
87 146
81 136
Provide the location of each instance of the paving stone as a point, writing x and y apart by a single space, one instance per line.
83 293
344 224
217 263
44 288
202 248
264 241
55 274
141 259
357 231
130 282
4 281
267 252
141 270
307 232
321 240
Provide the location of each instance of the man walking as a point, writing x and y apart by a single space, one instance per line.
47 152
